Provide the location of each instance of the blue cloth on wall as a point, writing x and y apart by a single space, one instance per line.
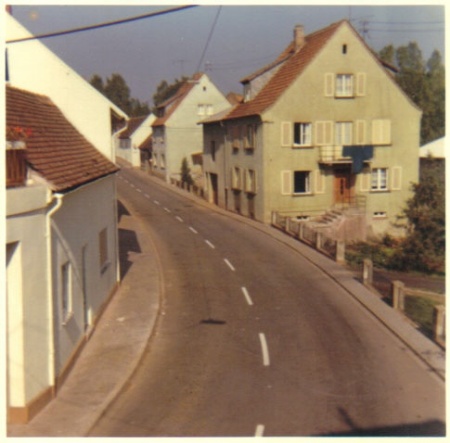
358 154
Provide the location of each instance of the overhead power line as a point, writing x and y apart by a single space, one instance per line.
209 38
103 25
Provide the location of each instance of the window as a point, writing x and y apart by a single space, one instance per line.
213 150
236 137
381 132
379 179
344 133
236 178
103 249
379 214
66 291
302 134
324 133
250 181
201 109
344 85
250 137
344 49
302 182
209 110
124 143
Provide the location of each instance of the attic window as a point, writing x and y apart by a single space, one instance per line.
344 49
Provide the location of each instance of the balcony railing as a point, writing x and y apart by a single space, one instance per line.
16 167
332 154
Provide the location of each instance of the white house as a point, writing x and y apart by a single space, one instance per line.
61 218
33 67
176 132
131 138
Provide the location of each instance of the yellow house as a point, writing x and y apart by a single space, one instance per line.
323 127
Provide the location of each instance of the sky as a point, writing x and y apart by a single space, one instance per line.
226 41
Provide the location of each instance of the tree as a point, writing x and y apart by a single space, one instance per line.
186 173
423 82
424 247
117 90
166 90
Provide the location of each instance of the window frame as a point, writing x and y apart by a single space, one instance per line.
343 133
306 184
345 86
377 180
302 134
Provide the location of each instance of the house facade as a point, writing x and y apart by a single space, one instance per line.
61 243
176 132
324 126
61 218
135 136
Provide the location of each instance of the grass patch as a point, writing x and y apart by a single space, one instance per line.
421 311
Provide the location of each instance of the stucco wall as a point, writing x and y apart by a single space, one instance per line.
33 67
28 332
305 101
76 228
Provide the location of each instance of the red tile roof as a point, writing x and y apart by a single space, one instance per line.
132 124
55 149
293 63
176 99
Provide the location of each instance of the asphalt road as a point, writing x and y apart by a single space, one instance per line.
255 340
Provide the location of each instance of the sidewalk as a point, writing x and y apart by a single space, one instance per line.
115 348
114 351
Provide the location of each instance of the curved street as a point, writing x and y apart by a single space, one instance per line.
254 339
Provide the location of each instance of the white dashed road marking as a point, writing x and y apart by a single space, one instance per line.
265 349
156 202
247 296
167 210
210 244
179 219
193 230
229 264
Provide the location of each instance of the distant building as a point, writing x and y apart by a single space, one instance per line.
176 132
130 139
324 126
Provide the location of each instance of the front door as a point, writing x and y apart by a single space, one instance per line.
343 186
214 188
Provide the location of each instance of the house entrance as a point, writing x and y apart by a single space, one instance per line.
214 188
344 186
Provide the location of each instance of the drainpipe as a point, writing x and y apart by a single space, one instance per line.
58 200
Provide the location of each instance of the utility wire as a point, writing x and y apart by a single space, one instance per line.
209 39
103 25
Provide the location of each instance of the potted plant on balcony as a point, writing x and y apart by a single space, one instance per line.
16 137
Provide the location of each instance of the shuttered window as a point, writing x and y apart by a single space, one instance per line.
381 132
319 182
396 179
286 134
360 133
286 182
324 133
236 178
360 84
250 181
329 84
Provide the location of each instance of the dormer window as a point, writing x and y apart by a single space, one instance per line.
247 90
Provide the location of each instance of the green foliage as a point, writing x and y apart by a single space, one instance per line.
165 90
117 90
421 311
186 173
423 82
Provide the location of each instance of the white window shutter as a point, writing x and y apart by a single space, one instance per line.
360 136
361 84
324 133
286 182
329 84
396 178
319 182
286 134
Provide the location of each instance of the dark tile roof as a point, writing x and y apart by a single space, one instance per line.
293 64
173 102
132 124
55 149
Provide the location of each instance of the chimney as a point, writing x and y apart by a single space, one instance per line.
299 37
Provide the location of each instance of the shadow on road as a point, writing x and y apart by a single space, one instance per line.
428 428
128 242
